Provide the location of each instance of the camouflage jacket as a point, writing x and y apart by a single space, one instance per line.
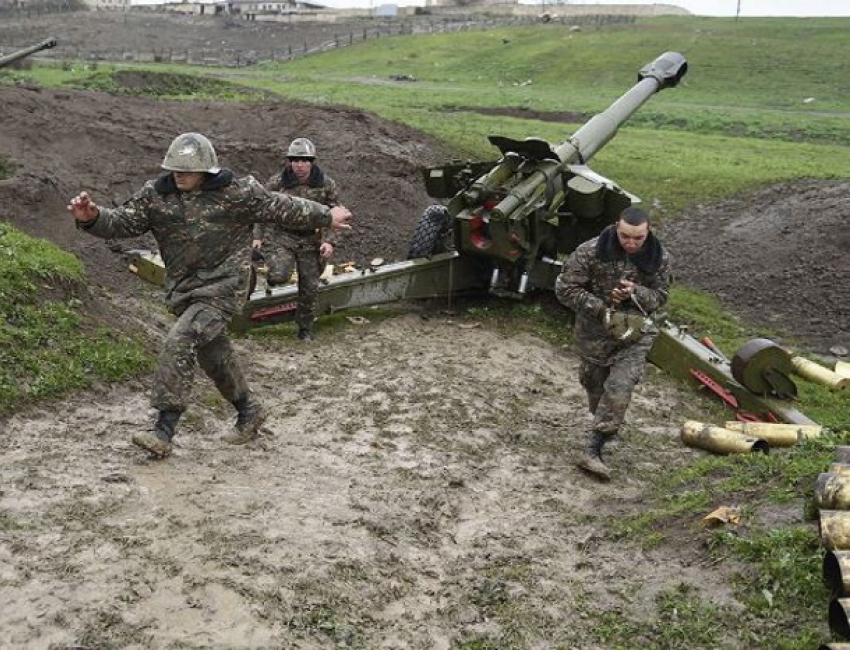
204 236
589 277
319 188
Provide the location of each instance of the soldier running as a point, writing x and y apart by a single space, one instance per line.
287 248
619 277
202 219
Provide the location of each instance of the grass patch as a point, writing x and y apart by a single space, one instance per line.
172 85
776 568
49 344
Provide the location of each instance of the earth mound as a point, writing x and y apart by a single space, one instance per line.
776 257
65 141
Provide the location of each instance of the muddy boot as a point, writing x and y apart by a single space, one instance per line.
249 418
158 441
591 459
305 333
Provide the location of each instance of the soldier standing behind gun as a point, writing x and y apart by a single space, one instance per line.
202 218
610 281
288 248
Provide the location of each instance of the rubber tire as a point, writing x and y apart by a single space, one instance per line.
429 238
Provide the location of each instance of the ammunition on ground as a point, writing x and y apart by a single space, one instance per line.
838 623
720 440
832 491
836 573
842 469
834 526
820 375
776 434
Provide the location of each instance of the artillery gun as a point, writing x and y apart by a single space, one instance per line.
511 224
11 58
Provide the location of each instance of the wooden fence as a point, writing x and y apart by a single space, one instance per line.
230 57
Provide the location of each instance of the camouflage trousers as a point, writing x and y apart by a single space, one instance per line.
200 334
301 253
609 385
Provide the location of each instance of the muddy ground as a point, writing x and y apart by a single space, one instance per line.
414 487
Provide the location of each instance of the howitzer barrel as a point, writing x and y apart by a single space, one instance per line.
664 72
20 54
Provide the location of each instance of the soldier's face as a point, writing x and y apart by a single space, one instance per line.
188 181
631 238
301 168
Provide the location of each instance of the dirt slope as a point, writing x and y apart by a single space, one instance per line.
404 497
414 488
65 141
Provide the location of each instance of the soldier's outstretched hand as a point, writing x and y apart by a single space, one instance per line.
341 218
82 208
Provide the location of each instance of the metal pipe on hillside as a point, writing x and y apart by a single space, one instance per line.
20 54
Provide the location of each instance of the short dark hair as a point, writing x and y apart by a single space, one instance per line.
634 216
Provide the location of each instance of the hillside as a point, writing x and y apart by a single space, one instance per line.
414 487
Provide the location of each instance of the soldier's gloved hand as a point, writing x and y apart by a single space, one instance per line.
623 326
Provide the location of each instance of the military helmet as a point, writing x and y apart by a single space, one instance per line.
301 148
191 152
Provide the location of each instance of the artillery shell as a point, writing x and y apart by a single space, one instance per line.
818 374
836 573
838 621
834 526
720 440
776 434
832 492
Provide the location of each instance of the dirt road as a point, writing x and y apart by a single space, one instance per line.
404 496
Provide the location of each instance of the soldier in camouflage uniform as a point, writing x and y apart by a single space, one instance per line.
286 248
619 277
202 218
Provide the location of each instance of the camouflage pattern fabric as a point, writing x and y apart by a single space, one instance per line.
204 239
610 368
286 249
199 333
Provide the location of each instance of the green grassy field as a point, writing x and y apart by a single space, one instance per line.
765 101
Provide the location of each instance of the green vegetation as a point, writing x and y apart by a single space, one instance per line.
765 101
7 168
48 343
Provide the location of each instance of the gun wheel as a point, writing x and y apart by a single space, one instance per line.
431 234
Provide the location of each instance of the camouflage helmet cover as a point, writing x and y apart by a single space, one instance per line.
191 152
301 148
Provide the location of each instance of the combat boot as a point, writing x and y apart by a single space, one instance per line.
305 333
249 418
591 460
158 441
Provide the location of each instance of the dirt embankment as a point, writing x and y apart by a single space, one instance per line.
414 488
